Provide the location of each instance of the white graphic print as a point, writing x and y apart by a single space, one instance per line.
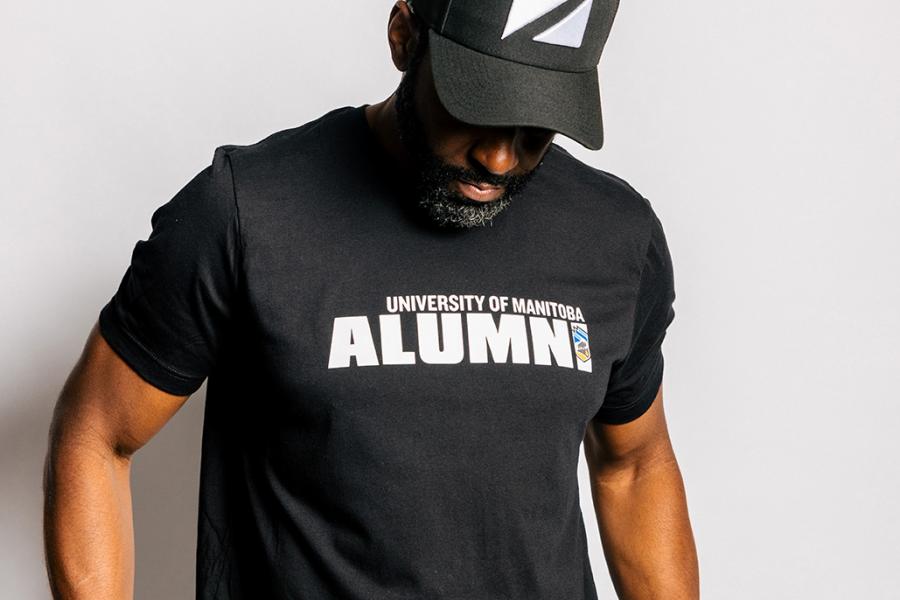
567 32
523 12
524 331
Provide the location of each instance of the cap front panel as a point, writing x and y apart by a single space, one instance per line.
566 35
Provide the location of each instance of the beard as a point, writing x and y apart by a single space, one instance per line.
433 176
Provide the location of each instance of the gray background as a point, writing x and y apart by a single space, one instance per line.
766 135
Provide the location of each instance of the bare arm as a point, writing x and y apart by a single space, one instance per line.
641 508
105 413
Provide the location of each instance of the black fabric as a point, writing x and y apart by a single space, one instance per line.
393 410
173 305
635 380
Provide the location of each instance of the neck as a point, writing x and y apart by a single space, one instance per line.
382 118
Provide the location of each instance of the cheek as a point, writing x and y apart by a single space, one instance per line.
448 144
447 136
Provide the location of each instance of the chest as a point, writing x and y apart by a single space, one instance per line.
361 319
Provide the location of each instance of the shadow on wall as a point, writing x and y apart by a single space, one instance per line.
164 481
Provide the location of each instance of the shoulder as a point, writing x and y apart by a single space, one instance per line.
284 150
603 196
603 185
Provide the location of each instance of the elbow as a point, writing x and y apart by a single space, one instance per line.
77 436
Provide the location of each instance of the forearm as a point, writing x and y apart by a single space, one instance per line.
88 532
645 530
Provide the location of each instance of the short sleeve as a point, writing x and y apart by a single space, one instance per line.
635 379
171 311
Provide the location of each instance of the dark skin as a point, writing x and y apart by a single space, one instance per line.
106 412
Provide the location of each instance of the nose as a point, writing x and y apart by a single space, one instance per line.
495 150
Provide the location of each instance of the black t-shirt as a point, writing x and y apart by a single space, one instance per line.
394 410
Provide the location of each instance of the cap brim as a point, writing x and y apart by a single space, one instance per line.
481 89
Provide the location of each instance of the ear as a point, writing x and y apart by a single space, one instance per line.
403 34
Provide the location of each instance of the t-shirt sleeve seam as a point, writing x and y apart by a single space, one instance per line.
614 414
237 211
113 330
237 274
637 289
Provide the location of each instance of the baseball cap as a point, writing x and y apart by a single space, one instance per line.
530 63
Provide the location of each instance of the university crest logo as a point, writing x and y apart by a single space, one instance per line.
580 340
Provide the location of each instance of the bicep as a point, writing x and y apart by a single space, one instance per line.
105 401
614 446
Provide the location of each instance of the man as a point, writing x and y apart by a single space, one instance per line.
410 314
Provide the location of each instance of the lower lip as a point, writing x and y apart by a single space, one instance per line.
474 193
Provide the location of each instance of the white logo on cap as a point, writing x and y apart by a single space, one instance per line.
567 32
